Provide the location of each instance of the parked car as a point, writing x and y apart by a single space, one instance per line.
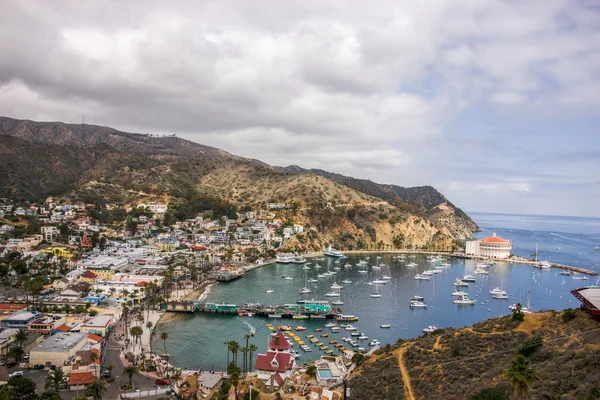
16 374
161 382
38 366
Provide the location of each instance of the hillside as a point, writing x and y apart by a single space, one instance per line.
459 363
87 162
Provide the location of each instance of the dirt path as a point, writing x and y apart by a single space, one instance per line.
437 345
405 376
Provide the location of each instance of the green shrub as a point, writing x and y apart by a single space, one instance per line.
499 392
531 346
568 315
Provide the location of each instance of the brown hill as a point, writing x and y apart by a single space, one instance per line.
460 363
89 161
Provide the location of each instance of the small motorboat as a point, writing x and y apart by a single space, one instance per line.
335 330
325 335
418 304
330 325
300 328
269 291
417 298
288 278
374 343
318 329
363 337
346 282
385 326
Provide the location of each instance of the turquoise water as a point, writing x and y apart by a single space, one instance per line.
196 342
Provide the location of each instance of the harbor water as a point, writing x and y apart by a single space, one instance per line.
197 341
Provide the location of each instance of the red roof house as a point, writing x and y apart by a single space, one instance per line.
279 342
81 378
280 365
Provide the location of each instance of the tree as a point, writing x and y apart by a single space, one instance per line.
24 388
50 395
7 392
16 353
109 368
234 376
96 389
311 371
521 375
234 347
164 336
149 327
55 381
21 336
93 313
252 348
93 358
137 333
130 371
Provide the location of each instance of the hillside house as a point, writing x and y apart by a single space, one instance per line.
49 232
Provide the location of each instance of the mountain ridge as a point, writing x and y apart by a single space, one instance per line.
99 157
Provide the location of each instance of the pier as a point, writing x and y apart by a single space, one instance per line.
293 311
517 260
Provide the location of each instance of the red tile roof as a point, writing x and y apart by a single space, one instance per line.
279 342
63 328
81 378
283 361
95 338
89 274
494 239
10 307
278 379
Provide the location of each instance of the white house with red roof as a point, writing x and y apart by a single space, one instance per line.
492 247
278 364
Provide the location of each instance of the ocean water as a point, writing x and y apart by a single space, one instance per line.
197 341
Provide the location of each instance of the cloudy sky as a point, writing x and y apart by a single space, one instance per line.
495 103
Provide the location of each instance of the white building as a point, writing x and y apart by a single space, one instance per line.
49 232
492 247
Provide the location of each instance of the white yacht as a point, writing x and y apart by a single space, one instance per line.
336 286
304 290
269 291
376 294
459 293
385 326
417 298
460 283
497 291
330 325
411 265
313 280
421 277
468 278
417 304
331 252
335 293
481 271
500 296
346 282
464 300
430 328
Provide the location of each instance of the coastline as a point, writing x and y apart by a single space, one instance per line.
198 294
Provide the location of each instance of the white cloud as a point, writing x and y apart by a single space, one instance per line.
371 91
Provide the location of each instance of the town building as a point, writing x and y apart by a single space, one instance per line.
19 320
278 363
57 349
46 324
490 247
98 325
590 300
49 232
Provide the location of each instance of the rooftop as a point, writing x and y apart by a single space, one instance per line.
494 239
590 296
22 316
81 378
60 342
99 320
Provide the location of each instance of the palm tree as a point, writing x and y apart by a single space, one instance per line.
149 326
16 353
109 368
522 376
96 389
252 348
235 347
244 351
21 336
234 376
93 358
55 381
137 333
247 336
228 344
130 371
164 336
